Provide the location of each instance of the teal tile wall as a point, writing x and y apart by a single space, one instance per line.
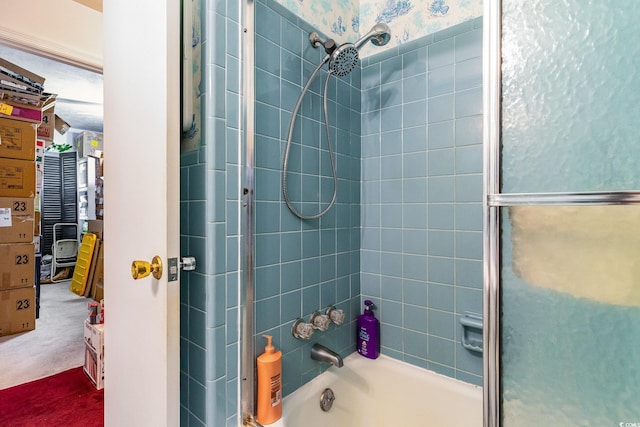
210 197
303 266
421 252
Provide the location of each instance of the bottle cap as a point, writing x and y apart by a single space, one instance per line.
269 348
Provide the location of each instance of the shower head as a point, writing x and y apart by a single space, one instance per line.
380 34
343 59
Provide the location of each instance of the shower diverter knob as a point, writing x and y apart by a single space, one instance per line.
336 315
320 321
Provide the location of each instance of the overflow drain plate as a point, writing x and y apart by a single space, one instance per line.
326 399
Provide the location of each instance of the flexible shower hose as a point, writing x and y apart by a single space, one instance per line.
285 166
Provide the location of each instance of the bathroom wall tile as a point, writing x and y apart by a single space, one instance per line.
441 80
468 188
267 55
468 103
267 314
414 88
414 113
268 23
468 45
414 62
441 351
291 246
469 273
391 288
414 165
468 130
441 135
267 249
441 162
414 242
390 338
310 299
414 292
468 216
390 118
441 53
441 243
441 324
440 108
390 143
391 94
391 69
391 264
267 281
391 239
468 74
415 318
414 216
468 300
415 343
468 361
414 139
440 216
441 297
440 270
441 189
414 190
468 159
469 244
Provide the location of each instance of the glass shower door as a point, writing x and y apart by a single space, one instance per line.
567 210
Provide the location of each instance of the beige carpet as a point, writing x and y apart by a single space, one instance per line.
54 346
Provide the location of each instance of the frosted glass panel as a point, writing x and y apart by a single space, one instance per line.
570 316
571 95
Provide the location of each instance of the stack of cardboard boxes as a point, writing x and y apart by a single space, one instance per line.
17 216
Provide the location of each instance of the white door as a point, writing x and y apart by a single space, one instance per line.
141 133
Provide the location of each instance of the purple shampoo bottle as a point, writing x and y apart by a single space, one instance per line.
368 333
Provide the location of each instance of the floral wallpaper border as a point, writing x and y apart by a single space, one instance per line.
346 20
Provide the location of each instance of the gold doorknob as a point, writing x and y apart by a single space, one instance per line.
141 269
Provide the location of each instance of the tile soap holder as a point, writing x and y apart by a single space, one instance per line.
471 331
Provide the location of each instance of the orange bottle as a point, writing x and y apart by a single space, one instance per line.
269 384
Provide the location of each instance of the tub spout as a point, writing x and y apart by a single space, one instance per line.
323 354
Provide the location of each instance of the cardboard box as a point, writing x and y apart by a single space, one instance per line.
19 206
17 310
46 128
36 243
40 149
17 178
94 353
61 126
17 266
97 282
95 226
17 139
18 111
89 144
16 219
36 223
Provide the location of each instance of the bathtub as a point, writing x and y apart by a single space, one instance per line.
383 393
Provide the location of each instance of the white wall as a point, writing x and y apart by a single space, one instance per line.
60 28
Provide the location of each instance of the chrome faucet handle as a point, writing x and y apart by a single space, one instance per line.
302 330
320 321
336 315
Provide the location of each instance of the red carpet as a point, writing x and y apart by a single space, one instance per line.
66 399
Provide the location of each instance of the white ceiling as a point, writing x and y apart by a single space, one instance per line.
79 91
